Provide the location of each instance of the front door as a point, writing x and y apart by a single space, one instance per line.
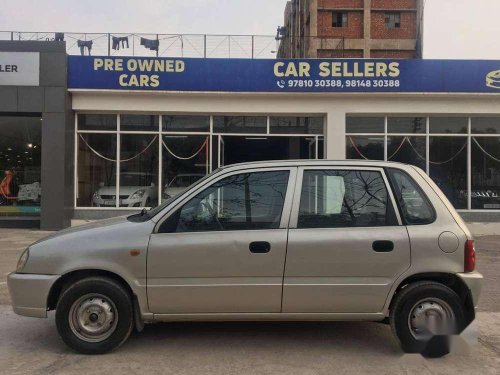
346 245
222 249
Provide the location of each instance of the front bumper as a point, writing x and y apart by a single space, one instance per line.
474 281
29 293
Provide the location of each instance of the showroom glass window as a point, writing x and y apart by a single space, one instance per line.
240 124
136 160
461 154
20 165
485 160
132 160
296 125
241 139
186 157
97 160
365 138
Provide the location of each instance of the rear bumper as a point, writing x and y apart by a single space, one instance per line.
29 293
474 281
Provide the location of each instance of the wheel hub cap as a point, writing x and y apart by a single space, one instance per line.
431 317
93 318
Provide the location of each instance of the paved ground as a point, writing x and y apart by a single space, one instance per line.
33 346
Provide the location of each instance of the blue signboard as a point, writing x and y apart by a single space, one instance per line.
306 75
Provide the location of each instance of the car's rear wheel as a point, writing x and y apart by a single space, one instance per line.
423 317
94 315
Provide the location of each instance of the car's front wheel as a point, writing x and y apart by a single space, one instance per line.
94 315
424 315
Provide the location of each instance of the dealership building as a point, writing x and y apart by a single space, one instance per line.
91 137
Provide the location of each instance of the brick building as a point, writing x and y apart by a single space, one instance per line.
352 29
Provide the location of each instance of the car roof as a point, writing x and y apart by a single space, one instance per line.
318 163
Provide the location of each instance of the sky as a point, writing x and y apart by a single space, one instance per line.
454 29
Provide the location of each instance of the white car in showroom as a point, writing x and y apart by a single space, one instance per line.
136 190
180 183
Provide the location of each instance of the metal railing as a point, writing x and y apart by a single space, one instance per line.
161 45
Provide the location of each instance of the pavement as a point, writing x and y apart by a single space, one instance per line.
32 346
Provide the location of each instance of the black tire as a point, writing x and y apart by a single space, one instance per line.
406 299
112 291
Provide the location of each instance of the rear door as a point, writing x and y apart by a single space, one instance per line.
222 250
346 244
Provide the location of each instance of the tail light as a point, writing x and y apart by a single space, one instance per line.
469 256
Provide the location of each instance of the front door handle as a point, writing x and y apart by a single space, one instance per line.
260 247
383 246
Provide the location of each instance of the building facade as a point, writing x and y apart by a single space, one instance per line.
114 135
36 127
390 29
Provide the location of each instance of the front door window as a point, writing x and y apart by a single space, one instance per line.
247 201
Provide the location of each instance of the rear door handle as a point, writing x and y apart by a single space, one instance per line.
260 247
383 246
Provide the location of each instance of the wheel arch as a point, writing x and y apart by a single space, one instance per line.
450 280
73 276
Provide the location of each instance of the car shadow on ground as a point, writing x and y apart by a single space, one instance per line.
374 338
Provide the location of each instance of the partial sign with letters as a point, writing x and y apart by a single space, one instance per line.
19 69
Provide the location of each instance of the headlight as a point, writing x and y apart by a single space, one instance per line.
138 194
23 259
96 195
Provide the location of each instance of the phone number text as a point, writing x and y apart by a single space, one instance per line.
354 83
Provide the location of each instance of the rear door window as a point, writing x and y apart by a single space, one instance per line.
344 198
415 207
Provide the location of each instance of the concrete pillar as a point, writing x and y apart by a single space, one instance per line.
57 180
313 29
367 26
335 136
420 29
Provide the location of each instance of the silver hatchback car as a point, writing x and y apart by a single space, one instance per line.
267 241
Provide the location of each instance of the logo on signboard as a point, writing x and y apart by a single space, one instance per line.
493 79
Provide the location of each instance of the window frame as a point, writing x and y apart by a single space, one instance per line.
394 19
345 17
184 198
294 216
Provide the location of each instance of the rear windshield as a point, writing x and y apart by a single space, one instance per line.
414 206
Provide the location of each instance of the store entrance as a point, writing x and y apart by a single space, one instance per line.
244 149
20 162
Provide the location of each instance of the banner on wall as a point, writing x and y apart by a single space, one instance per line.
307 75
